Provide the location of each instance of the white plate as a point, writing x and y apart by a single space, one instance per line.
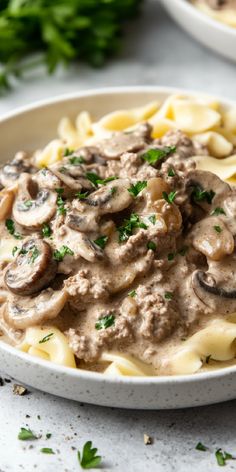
34 126
213 34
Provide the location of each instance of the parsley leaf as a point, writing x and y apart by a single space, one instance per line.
171 172
34 253
81 195
126 230
183 250
96 180
105 322
14 250
26 434
60 202
201 447
46 338
68 152
171 256
46 231
151 245
88 458
132 293
218 211
10 225
101 241
48 435
135 189
168 295
59 254
47 450
222 457
169 197
76 160
217 228
199 195
152 156
153 219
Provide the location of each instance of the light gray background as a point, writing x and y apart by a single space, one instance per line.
155 52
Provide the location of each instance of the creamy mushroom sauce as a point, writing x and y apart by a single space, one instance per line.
123 245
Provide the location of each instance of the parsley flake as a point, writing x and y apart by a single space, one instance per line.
126 230
96 180
152 156
218 211
14 250
76 160
26 434
47 450
151 245
60 202
48 435
46 231
135 189
132 293
222 457
88 458
34 253
199 195
81 195
10 225
169 197
101 241
201 447
168 295
46 338
105 322
183 250
171 172
153 219
68 152
59 254
171 256
217 228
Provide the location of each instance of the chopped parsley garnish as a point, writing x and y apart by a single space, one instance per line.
201 447
169 197
27 203
101 242
14 250
222 457
153 219
46 338
171 256
47 450
217 228
59 254
48 435
105 322
217 211
171 172
68 152
76 160
10 225
46 231
88 458
152 156
151 245
135 189
132 293
60 202
96 180
26 434
183 250
126 230
81 195
168 295
34 253
200 195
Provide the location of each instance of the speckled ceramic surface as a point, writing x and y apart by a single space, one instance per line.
30 128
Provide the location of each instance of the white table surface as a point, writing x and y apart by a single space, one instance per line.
155 52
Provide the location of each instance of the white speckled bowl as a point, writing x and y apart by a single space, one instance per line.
213 34
32 127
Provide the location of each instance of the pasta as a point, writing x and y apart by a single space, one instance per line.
72 222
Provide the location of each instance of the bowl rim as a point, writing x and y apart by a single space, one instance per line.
212 22
85 374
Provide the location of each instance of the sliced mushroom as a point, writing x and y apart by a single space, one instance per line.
45 178
11 171
211 183
119 143
6 201
211 237
32 270
79 243
110 198
32 208
72 176
23 312
83 222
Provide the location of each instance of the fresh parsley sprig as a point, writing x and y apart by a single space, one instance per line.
126 230
10 225
96 180
59 254
105 322
26 434
88 458
135 189
152 156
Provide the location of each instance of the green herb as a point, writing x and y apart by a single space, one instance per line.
218 229
171 172
152 156
46 338
46 231
101 242
81 195
14 250
126 230
201 447
208 359
68 152
199 195
105 322
47 450
151 245
96 180
171 256
88 458
135 189
168 295
76 160
48 435
59 254
34 254
60 202
132 293
39 417
183 250
26 434
10 225
222 457
169 197
218 211
27 203
153 219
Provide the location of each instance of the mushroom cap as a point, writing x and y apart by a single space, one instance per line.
12 170
213 294
110 198
32 213
32 270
